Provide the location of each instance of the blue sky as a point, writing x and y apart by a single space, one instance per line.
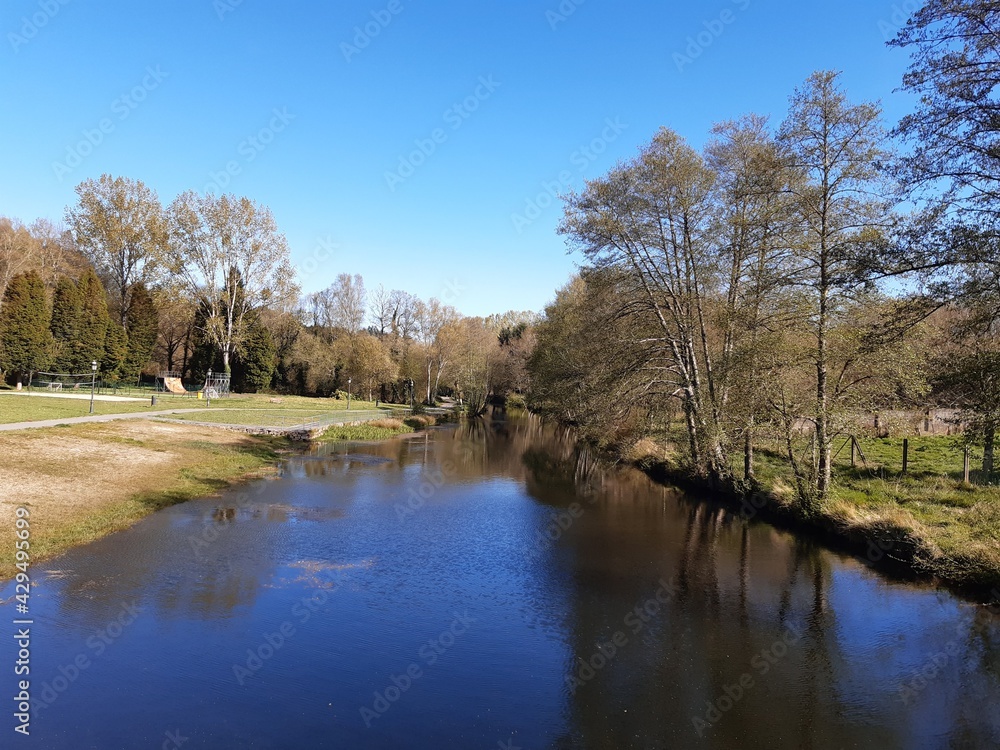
422 138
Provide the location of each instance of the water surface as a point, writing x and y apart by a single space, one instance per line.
488 586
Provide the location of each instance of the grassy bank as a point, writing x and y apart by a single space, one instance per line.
83 482
927 520
380 429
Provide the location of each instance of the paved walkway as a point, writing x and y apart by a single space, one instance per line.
95 418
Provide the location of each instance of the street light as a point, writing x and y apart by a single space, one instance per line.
411 394
348 394
93 382
208 388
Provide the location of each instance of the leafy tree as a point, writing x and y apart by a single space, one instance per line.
234 262
67 310
255 361
142 329
842 206
370 364
24 325
119 223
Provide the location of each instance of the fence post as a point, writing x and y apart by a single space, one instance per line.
906 453
965 465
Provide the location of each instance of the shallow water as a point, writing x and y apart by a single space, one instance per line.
488 586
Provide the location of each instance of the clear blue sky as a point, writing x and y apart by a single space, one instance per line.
540 87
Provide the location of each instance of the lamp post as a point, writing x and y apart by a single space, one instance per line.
411 394
348 394
93 382
208 388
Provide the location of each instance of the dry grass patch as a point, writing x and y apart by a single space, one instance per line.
86 481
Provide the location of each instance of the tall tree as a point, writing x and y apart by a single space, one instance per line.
142 330
94 321
255 361
16 251
953 132
235 261
754 220
120 224
650 222
843 210
65 326
24 325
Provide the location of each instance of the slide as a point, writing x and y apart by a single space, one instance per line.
174 385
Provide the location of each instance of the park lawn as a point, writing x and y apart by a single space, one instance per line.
83 482
23 408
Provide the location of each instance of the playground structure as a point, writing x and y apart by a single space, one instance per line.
217 385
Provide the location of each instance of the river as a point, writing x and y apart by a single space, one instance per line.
488 586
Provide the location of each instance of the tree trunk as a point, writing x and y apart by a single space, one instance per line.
748 453
989 438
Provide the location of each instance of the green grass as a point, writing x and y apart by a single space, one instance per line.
363 432
951 527
22 408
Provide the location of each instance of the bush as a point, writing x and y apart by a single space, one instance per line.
516 401
388 424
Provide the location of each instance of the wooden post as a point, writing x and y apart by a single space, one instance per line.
965 465
854 452
906 453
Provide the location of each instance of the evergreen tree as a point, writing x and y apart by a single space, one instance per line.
115 353
255 360
93 321
65 327
24 325
142 329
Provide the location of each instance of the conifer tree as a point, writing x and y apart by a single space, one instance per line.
24 326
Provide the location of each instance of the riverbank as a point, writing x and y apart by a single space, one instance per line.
84 482
921 524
